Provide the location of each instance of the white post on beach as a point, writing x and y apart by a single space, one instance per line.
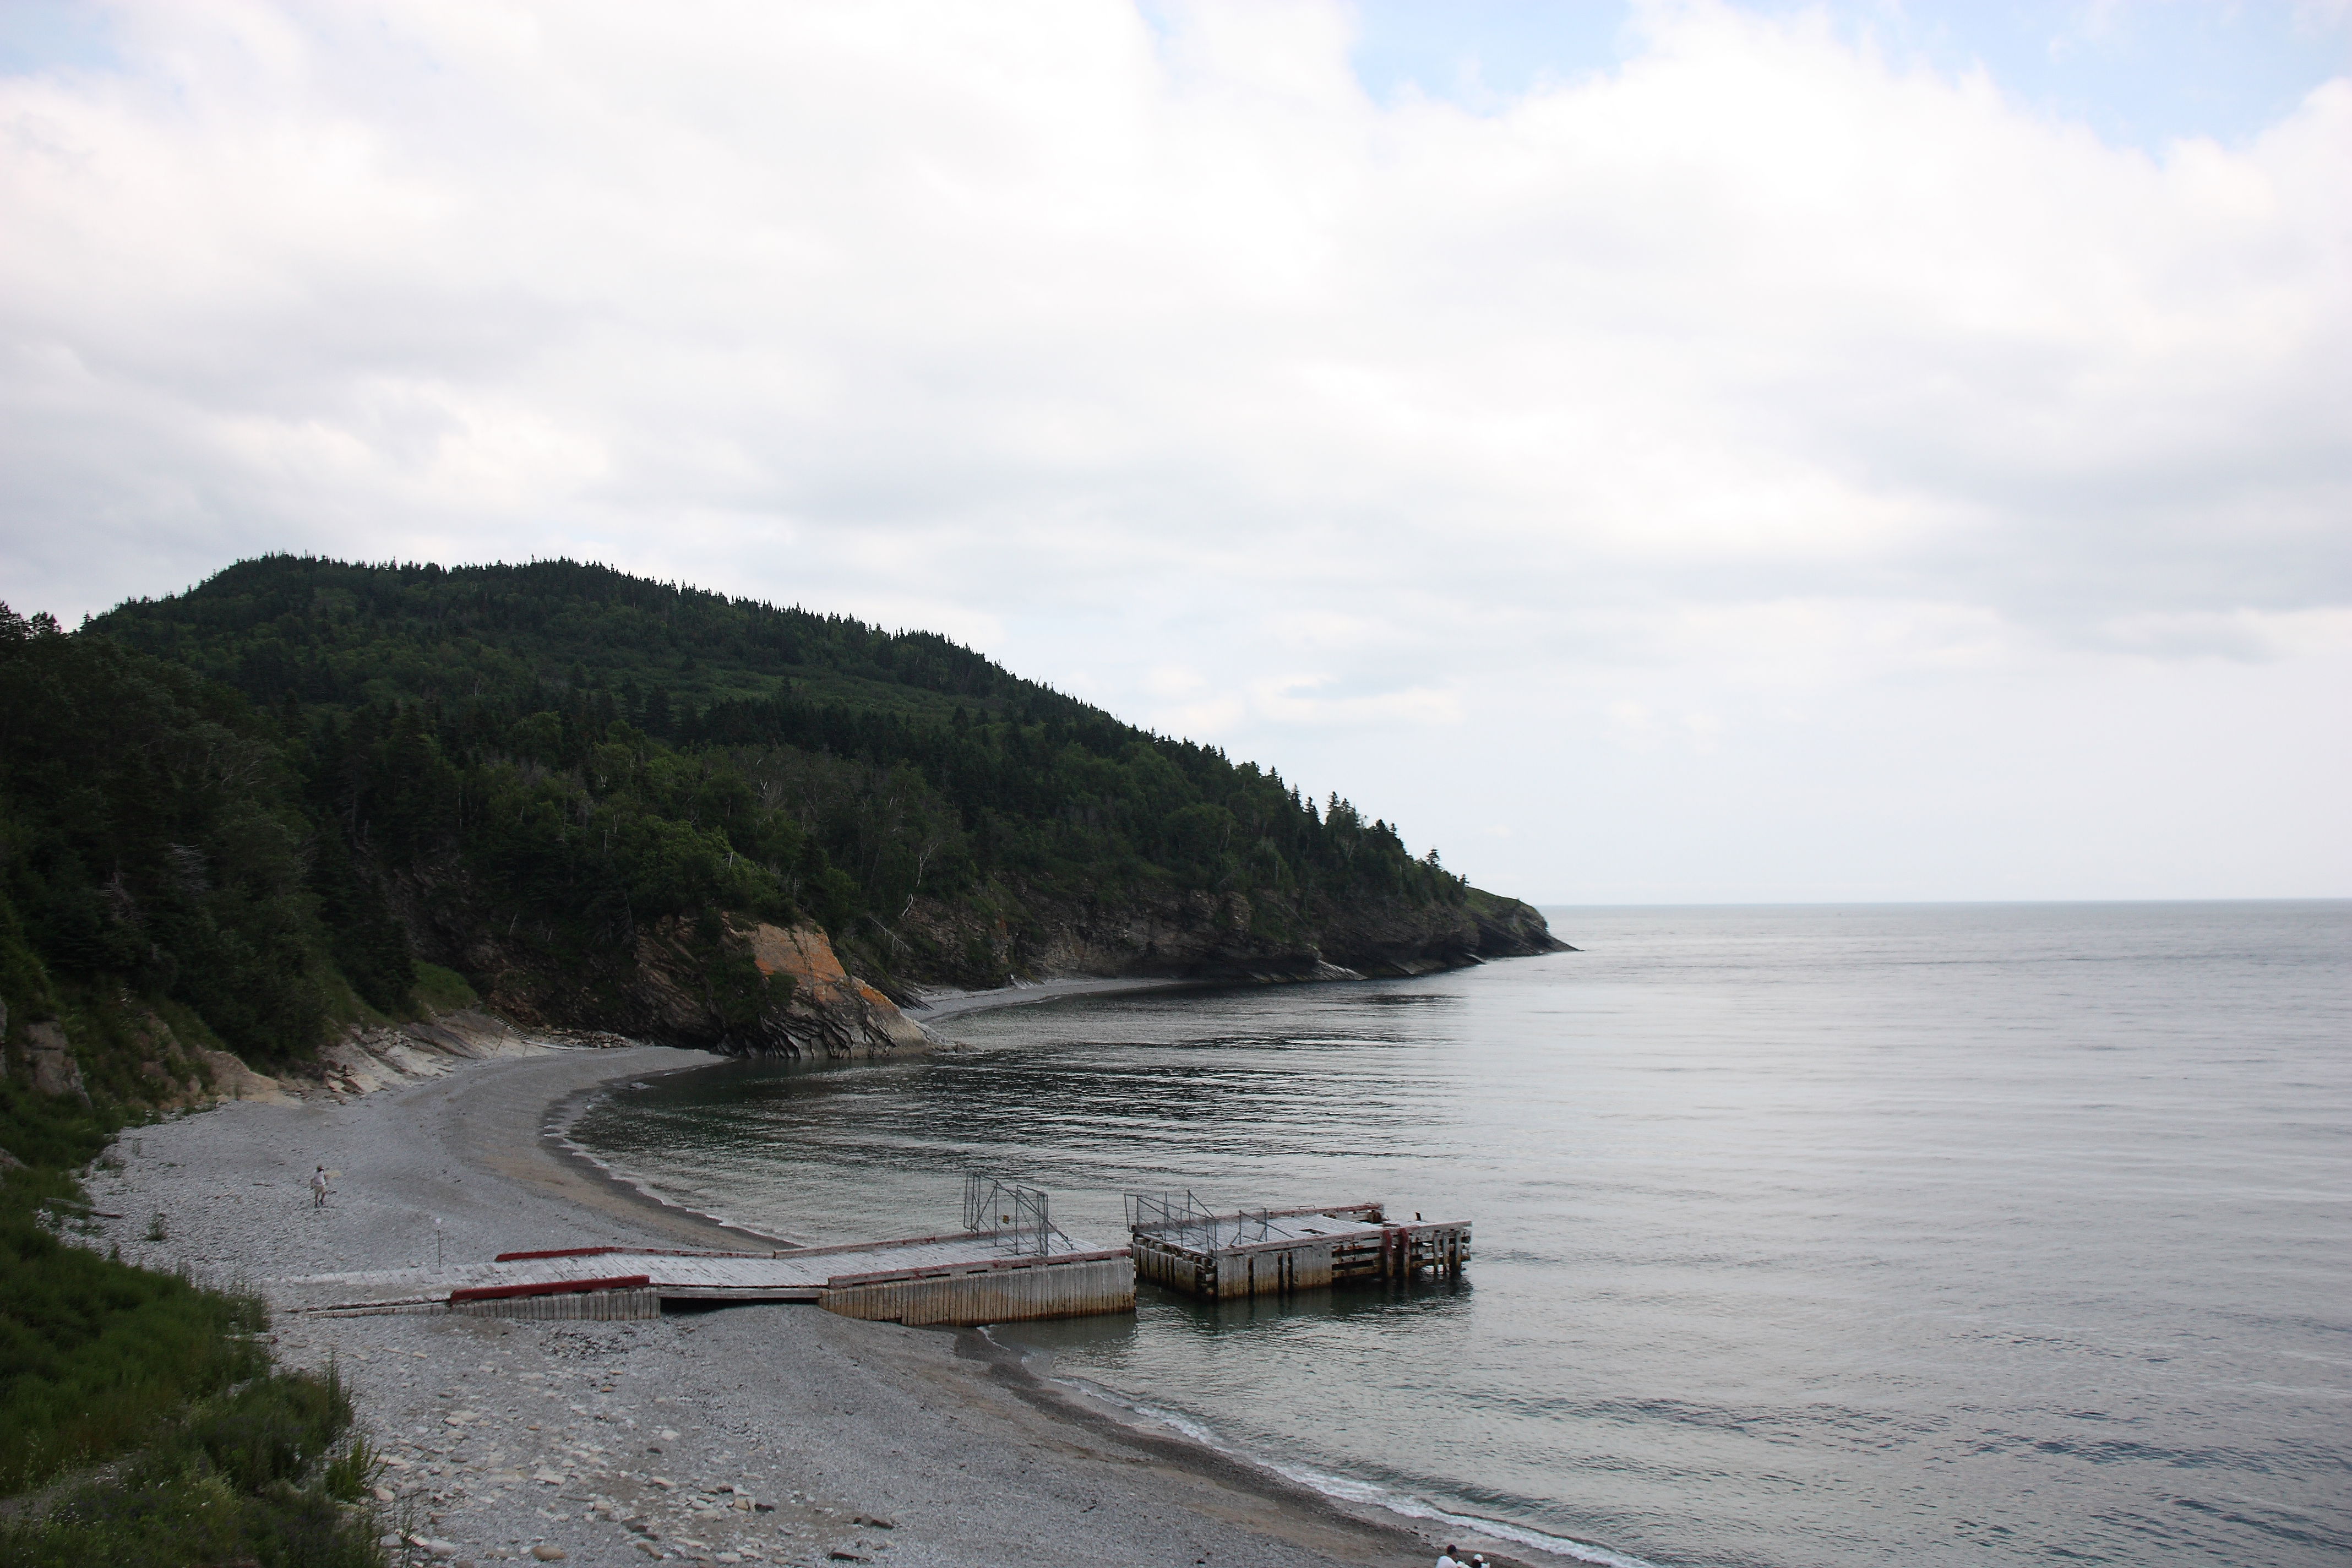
436 1243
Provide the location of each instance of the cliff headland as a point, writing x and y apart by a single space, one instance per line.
344 842
308 798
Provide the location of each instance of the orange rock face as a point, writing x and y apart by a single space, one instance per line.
802 952
831 1012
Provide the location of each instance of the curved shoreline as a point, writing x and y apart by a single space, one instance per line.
566 1109
977 1459
1104 1412
555 1138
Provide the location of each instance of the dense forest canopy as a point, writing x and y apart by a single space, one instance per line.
267 799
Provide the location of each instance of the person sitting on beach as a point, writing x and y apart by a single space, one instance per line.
1445 1559
318 1189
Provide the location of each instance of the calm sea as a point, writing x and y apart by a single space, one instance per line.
1805 1235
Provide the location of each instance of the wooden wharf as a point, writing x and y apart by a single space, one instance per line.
1010 1264
957 1280
1260 1252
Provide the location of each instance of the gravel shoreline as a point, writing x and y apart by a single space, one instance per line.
768 1434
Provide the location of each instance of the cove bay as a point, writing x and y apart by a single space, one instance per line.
1965 1233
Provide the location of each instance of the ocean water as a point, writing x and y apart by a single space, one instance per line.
1983 1235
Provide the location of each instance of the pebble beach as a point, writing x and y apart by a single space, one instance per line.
767 1434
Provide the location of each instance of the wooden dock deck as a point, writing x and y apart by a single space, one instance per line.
1258 1252
1011 1262
961 1279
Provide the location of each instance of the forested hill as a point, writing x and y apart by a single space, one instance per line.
273 798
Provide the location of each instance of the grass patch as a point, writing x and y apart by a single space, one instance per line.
258 1474
221 1459
442 989
95 1356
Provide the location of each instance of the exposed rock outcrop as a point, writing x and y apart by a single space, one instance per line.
1239 936
741 986
832 1012
231 1080
50 1059
366 1060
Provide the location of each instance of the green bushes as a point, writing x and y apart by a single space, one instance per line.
218 1459
254 1475
95 1356
272 1430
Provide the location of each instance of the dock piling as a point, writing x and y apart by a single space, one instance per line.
1180 1244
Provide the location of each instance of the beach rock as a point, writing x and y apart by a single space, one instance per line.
546 1554
231 1080
9 1162
875 1519
831 1012
366 1060
51 1059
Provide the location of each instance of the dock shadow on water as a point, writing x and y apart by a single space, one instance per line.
1829 1237
1235 1327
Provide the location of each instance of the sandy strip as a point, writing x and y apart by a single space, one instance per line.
609 1442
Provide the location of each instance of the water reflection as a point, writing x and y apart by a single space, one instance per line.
1822 1237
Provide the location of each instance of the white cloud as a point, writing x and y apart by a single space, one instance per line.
1756 381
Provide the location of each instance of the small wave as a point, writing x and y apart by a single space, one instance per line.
560 1133
1346 1488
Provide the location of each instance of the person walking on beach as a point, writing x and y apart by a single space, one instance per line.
318 1189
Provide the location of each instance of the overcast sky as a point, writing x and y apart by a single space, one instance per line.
1653 453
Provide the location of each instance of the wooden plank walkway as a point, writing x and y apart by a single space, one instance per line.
964 1278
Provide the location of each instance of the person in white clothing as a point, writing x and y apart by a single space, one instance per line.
318 1189
1445 1559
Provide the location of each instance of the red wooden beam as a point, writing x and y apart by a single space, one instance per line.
550 1288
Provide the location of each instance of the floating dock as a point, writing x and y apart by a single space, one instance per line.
1259 1252
1011 1264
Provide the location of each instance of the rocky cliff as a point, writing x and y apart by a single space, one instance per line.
1239 936
749 987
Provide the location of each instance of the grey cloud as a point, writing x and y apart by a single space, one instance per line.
1752 361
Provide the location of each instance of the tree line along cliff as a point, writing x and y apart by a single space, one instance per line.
307 794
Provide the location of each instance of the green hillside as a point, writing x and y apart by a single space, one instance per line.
267 800
306 796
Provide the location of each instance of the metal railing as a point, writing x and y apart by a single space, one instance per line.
1183 1220
1017 1219
1165 1211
